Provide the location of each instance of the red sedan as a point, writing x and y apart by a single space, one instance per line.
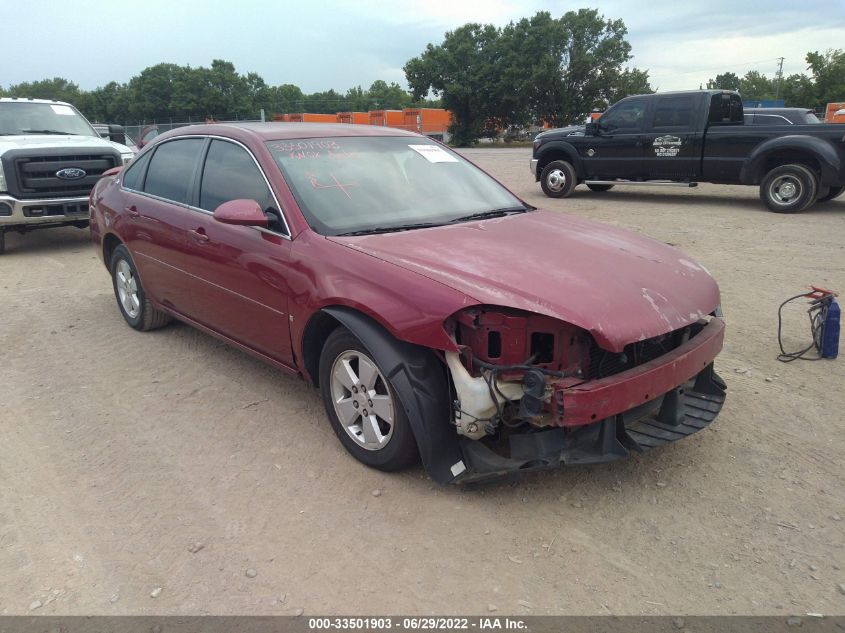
440 316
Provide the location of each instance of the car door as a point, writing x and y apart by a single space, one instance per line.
670 148
242 287
616 148
157 188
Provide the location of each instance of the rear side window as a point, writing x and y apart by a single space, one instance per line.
673 111
133 177
230 174
171 169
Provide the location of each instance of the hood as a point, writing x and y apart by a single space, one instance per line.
618 285
570 130
51 141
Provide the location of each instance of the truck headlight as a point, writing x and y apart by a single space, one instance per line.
2 179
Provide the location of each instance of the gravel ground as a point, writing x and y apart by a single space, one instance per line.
166 473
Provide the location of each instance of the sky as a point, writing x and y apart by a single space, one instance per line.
337 44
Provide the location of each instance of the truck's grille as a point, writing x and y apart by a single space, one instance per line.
603 363
37 174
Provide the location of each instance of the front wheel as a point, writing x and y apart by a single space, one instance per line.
362 405
830 194
788 189
599 188
558 179
131 299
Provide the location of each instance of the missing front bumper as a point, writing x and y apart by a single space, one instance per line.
675 415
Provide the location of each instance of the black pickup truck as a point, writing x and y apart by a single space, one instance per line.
683 138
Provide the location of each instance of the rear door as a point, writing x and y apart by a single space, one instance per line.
670 148
615 151
157 189
241 288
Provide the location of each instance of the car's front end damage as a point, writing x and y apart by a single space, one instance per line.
532 392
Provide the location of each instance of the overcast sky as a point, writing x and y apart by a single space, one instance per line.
336 44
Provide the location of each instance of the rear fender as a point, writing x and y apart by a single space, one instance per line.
419 378
821 151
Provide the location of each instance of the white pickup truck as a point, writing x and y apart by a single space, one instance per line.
50 158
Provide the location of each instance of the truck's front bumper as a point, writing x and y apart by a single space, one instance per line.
24 214
533 167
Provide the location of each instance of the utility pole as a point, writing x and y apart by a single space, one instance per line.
779 76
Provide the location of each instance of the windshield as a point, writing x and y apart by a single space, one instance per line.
360 184
26 117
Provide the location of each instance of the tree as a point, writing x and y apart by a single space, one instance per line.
828 71
384 96
461 71
725 81
632 81
755 86
57 88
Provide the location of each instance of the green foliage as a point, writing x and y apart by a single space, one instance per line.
537 69
828 71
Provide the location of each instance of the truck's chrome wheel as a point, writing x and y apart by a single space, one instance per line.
127 289
362 400
785 189
556 180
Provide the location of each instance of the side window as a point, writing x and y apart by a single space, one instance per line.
673 111
171 168
133 176
230 173
626 117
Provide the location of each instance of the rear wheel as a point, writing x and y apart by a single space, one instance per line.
558 179
599 188
788 189
131 299
362 406
830 194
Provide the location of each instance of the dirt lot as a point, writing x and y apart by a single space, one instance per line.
119 450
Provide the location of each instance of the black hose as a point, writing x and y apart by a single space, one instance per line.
817 312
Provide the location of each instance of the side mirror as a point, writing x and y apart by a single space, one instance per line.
241 212
591 129
117 134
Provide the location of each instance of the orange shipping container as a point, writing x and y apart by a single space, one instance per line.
390 118
358 118
426 120
830 114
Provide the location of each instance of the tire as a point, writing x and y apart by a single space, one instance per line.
382 440
558 179
830 194
131 299
788 189
600 188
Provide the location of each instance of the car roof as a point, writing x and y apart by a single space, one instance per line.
30 100
274 131
778 110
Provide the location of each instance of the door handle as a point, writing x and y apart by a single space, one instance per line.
132 211
199 235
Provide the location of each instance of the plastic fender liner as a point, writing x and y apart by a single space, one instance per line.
824 152
416 374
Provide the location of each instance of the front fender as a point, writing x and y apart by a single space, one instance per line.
420 382
558 150
822 151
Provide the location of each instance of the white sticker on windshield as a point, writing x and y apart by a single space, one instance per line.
434 154
63 109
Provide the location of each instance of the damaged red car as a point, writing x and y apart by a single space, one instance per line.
441 317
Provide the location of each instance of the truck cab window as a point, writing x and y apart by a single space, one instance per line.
627 116
673 111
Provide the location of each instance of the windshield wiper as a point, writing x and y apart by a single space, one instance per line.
391 229
492 213
48 132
